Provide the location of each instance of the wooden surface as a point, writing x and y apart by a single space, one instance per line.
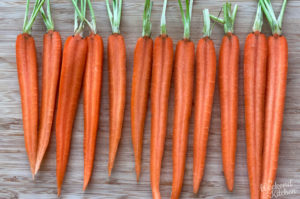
15 176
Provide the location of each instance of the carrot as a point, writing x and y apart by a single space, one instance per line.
275 97
183 81
72 69
140 86
50 77
92 94
228 80
28 82
255 67
204 95
117 81
160 88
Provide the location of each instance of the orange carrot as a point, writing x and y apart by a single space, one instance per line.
255 66
50 78
204 95
160 89
92 95
117 81
140 86
228 80
28 82
72 70
183 81
275 97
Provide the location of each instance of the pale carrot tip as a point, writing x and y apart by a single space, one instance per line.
109 171
58 191
138 172
33 175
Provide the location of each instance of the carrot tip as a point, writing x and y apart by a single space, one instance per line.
138 172
109 171
84 186
33 175
58 191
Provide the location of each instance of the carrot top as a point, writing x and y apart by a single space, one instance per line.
146 19
229 17
28 22
163 29
91 24
115 15
276 24
206 26
47 16
79 16
258 22
186 17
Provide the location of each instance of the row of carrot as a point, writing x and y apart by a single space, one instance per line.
265 71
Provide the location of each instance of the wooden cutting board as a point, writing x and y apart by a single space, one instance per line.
15 176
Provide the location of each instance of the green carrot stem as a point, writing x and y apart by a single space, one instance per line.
115 15
146 19
276 24
206 26
186 17
258 19
163 29
229 17
28 23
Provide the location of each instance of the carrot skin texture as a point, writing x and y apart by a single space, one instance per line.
160 89
255 73
117 93
228 80
139 96
92 94
28 82
72 70
183 81
52 50
275 97
204 94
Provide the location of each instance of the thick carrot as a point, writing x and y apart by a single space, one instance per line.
140 86
92 94
275 97
50 77
72 70
204 95
28 82
228 80
255 67
160 88
183 81
117 81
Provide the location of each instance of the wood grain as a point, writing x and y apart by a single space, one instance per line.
15 176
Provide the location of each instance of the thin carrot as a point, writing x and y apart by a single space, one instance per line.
183 81
204 95
255 68
72 70
160 88
228 80
50 77
28 82
92 94
275 97
140 86
117 80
